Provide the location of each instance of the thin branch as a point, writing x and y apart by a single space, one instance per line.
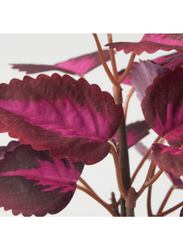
86 185
102 58
112 57
170 210
149 193
129 95
127 70
153 179
143 160
104 204
166 199
118 172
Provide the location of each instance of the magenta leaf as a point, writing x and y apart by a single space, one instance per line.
10 147
176 182
33 182
72 119
79 65
142 75
170 61
163 106
151 43
135 132
167 158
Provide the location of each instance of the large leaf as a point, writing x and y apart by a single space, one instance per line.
163 106
72 119
169 159
151 43
33 182
79 65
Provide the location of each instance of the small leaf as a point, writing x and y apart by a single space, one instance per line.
176 182
170 61
181 212
167 158
163 106
151 43
33 182
72 119
142 75
79 65
135 132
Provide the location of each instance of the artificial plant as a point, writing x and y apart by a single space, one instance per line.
63 125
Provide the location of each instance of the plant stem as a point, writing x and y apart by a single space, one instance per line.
129 95
102 58
143 160
122 190
166 199
113 61
170 210
128 68
104 204
149 193
86 185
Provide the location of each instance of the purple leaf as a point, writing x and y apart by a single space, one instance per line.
163 106
170 61
151 43
72 119
10 147
79 65
135 132
168 159
142 75
176 182
33 182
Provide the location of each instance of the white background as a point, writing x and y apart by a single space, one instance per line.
54 48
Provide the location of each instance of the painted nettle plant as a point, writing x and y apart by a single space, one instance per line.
61 125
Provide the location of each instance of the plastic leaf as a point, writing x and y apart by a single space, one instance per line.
79 65
163 106
151 43
72 119
176 182
33 182
181 212
170 61
169 159
135 132
142 75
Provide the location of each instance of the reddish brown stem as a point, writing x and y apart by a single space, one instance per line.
128 68
104 204
112 57
102 58
129 95
170 210
166 199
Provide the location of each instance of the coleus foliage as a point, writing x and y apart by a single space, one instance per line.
33 182
163 110
69 122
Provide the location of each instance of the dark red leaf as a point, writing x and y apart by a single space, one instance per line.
163 106
151 43
169 159
72 119
79 65
135 132
33 182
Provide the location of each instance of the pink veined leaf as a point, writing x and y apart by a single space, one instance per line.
72 119
163 106
135 132
170 61
79 65
167 158
34 183
151 43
